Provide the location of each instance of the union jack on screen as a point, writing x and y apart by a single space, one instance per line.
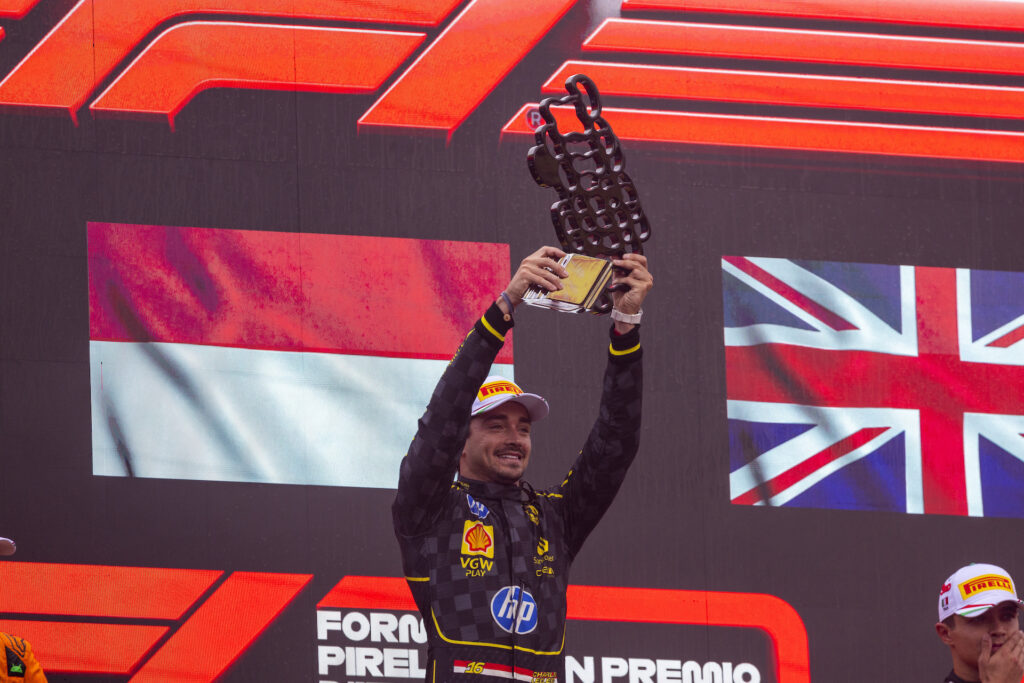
875 387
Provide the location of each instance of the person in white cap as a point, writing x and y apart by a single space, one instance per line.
487 557
978 620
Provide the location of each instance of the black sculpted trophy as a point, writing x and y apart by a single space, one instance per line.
598 215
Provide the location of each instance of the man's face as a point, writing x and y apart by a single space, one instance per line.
964 638
498 446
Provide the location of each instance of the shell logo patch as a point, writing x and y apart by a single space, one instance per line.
477 539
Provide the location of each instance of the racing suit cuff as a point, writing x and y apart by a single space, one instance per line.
493 326
625 347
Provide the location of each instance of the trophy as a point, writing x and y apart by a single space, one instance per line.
598 215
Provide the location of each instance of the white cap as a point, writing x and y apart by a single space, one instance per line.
497 390
975 589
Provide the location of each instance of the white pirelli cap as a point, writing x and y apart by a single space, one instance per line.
497 390
975 589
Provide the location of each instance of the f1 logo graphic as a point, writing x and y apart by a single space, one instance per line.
62 72
469 53
143 622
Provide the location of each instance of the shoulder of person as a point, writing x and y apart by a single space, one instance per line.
17 644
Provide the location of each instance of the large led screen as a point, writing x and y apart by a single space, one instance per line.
241 239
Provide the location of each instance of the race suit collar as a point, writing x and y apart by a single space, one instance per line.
495 490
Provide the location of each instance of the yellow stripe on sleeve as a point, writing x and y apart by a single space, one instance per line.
491 329
611 349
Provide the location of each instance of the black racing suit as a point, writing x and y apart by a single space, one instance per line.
488 563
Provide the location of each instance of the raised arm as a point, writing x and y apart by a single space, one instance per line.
430 464
601 466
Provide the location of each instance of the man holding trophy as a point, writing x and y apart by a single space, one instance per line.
487 557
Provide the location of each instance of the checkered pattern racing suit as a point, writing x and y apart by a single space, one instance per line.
488 563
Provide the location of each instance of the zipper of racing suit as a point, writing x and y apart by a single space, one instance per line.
531 500
509 551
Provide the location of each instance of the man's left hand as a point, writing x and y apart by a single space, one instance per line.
639 281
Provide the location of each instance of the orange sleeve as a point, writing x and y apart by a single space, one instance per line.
33 672
18 660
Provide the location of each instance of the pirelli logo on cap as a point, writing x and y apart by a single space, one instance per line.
984 583
496 389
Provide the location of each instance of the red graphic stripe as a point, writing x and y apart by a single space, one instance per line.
774 616
60 73
942 421
86 648
831 47
768 613
464 64
222 628
91 590
776 285
192 57
15 9
761 87
289 291
865 379
666 127
798 472
369 592
988 14
1008 339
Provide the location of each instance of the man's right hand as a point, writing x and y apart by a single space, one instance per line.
539 268
1007 664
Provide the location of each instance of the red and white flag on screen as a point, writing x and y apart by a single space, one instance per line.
235 355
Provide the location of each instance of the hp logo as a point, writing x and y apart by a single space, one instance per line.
513 607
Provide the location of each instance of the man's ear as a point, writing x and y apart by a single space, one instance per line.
943 632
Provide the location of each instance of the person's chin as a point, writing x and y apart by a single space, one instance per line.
509 464
509 473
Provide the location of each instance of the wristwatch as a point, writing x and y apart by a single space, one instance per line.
621 317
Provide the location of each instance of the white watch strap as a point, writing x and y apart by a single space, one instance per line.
621 317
